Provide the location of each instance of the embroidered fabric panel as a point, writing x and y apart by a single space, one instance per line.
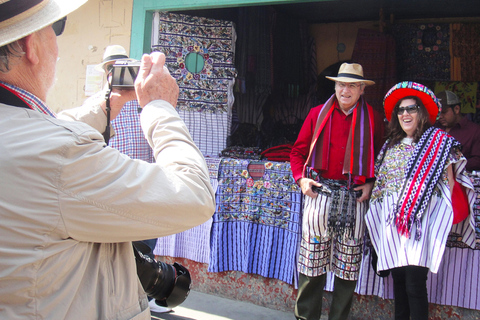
200 55
256 227
425 53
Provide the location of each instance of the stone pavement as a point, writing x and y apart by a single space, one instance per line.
202 306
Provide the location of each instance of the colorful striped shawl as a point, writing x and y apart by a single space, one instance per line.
359 154
424 170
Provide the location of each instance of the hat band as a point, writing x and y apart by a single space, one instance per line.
350 75
12 8
115 57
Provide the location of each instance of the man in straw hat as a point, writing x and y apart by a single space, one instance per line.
70 206
112 53
333 163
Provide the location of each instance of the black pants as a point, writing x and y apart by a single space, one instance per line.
410 289
310 294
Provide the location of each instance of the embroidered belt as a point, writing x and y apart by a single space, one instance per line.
343 203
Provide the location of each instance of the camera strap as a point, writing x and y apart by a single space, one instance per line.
106 133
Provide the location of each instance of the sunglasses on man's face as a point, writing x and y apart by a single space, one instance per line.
59 26
410 109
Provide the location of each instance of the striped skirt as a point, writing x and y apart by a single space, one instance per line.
321 251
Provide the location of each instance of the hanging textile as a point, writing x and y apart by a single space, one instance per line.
193 244
466 46
375 51
256 227
425 53
253 60
200 55
209 131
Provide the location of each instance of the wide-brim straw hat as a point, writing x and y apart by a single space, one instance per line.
112 53
19 18
351 72
410 88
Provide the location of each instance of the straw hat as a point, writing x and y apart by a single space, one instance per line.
112 53
409 88
351 72
19 18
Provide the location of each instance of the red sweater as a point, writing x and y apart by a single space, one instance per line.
341 124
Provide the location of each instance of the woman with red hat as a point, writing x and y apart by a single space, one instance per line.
421 190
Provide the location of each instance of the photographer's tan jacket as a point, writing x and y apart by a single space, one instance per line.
69 207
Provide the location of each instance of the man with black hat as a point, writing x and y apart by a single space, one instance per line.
333 163
70 206
463 130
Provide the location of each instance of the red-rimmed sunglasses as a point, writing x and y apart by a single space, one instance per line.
59 26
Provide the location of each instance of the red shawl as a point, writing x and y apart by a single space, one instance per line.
359 155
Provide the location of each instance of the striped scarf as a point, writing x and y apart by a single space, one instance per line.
359 151
424 170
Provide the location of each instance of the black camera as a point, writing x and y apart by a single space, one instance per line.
124 73
168 284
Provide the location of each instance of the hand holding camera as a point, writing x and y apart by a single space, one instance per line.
154 81
150 78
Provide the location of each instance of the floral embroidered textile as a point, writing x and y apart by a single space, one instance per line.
200 55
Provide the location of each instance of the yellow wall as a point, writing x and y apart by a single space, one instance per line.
329 35
89 30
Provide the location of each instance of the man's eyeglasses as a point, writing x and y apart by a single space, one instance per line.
410 109
351 86
59 26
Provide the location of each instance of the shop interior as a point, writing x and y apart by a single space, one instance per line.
283 53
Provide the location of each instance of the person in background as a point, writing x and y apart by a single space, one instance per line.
463 130
333 163
70 206
128 138
420 177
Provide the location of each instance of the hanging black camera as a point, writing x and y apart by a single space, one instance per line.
168 284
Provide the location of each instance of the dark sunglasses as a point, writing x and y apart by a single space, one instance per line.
59 26
410 109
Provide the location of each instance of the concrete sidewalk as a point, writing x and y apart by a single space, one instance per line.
201 306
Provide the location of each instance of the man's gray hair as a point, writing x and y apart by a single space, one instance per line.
7 52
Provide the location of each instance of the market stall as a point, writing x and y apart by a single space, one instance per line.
256 228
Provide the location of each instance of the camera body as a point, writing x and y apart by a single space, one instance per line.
124 73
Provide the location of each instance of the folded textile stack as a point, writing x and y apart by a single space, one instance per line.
279 153
242 153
